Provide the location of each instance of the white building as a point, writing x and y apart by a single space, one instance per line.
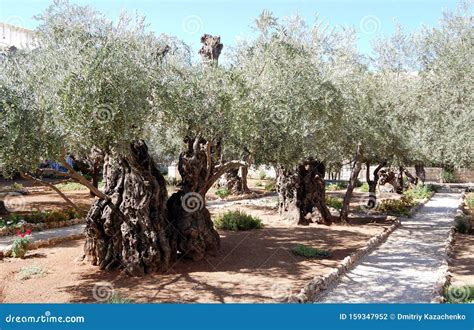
15 36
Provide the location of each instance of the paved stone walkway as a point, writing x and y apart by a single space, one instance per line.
406 267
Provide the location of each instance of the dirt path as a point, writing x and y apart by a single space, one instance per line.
406 268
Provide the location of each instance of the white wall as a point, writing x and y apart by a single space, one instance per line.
15 36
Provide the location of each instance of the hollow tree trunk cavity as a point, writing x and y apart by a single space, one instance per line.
352 183
129 230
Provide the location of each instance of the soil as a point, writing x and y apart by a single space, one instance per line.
461 265
252 266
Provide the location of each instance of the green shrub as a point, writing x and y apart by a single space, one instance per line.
262 175
21 244
447 176
336 186
398 207
16 186
31 271
463 224
270 186
459 294
310 252
222 192
334 202
358 183
364 187
237 220
419 192
470 200
258 184
117 298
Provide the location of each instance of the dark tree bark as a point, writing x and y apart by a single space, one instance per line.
3 209
372 201
244 173
411 179
352 183
196 234
233 182
400 186
129 229
303 191
420 173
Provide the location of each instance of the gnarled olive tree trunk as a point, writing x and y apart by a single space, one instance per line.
196 235
303 191
129 229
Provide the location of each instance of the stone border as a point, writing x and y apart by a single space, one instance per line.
321 283
444 280
43 243
11 231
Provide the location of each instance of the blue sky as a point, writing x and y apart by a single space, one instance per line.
232 18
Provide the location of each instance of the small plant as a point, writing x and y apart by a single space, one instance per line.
31 271
447 176
262 175
459 294
237 220
117 298
334 202
21 244
463 224
310 252
270 186
222 192
336 186
419 192
364 187
16 186
258 184
399 207
470 201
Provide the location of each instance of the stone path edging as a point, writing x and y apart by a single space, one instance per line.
320 283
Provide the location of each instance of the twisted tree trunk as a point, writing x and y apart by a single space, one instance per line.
352 183
129 229
303 191
372 200
420 173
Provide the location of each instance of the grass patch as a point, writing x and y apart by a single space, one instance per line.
32 271
334 202
222 192
310 252
39 217
237 220
70 186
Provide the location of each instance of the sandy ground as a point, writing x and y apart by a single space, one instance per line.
253 266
